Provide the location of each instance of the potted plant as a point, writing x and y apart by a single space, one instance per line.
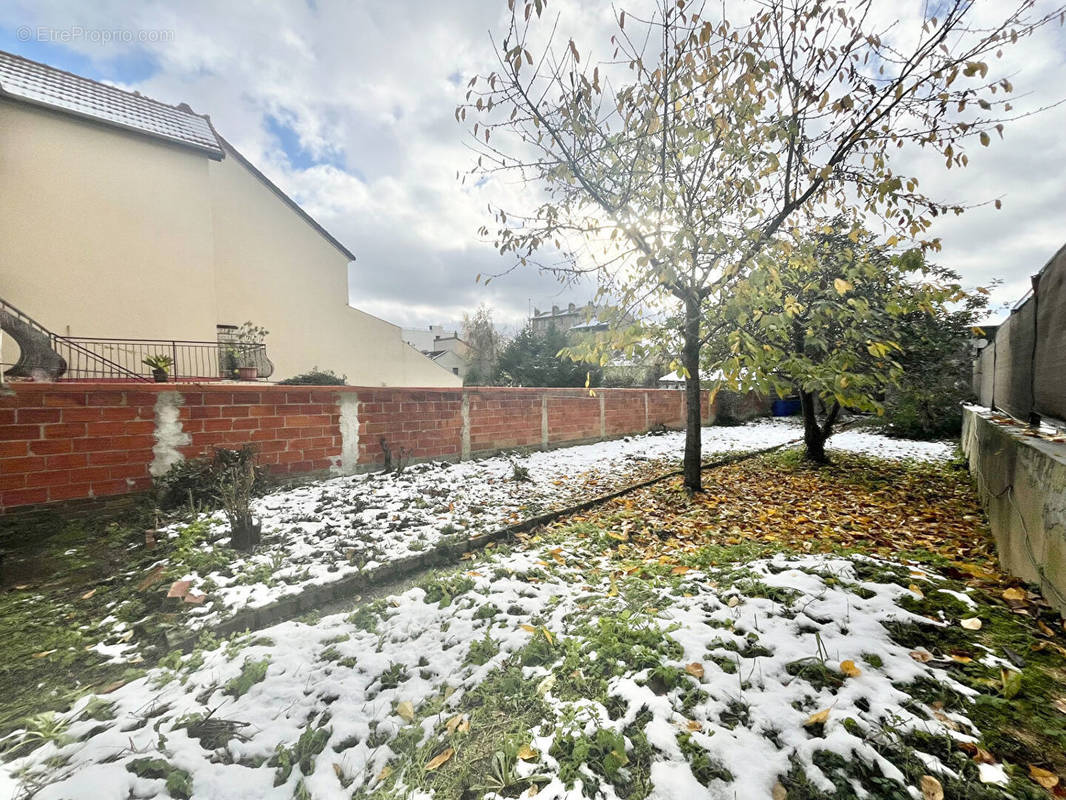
160 364
250 344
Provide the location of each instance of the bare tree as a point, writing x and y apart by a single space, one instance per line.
667 169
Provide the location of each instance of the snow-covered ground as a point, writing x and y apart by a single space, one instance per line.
322 532
713 684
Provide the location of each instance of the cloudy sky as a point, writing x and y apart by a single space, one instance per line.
349 106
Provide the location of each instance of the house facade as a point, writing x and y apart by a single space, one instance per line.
126 218
443 346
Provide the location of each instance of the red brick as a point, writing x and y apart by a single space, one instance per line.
23 497
67 430
66 461
91 445
211 425
107 458
111 414
23 465
73 491
113 428
218 398
35 416
105 399
245 423
205 412
8 449
12 481
90 414
56 399
12 432
53 478
253 398
135 428
129 471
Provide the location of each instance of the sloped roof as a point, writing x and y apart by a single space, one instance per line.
40 84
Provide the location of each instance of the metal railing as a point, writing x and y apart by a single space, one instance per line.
95 358
68 358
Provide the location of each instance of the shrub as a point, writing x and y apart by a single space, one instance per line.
195 481
316 377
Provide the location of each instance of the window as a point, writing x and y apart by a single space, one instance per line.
455 370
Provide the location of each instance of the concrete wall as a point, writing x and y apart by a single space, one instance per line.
1022 484
109 233
69 441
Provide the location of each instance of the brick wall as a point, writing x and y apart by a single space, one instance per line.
70 441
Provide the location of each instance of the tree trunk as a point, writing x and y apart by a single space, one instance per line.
815 435
691 360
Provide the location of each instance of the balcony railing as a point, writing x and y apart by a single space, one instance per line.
93 358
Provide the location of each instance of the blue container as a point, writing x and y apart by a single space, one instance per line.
788 407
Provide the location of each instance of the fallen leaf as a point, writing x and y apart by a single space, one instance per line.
1014 595
849 669
1060 704
923 656
453 723
406 710
694 725
1011 683
914 588
931 788
44 653
971 623
818 717
179 588
734 601
338 770
680 570
527 753
958 659
194 599
88 594
151 579
528 628
1046 778
695 669
386 771
779 792
439 759
546 685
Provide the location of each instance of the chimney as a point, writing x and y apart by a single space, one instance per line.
571 309
555 310
536 311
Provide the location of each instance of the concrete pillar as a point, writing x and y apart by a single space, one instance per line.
348 402
464 452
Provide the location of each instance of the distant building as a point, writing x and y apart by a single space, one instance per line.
572 319
444 347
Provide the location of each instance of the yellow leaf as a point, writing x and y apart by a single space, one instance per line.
960 659
931 788
547 635
914 588
528 628
386 771
406 710
842 286
694 725
921 655
453 723
680 570
818 717
1014 595
1046 778
441 758
849 669
734 601
971 623
695 669
527 753
88 594
779 792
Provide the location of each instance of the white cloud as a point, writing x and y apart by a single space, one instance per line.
368 89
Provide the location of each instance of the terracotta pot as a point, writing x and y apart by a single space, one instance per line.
247 373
